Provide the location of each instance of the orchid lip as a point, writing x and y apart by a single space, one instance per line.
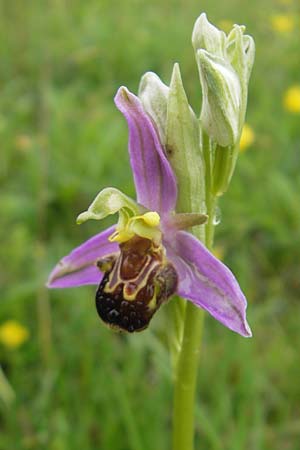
135 285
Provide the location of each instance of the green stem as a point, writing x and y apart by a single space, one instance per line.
186 377
224 164
210 226
188 358
187 367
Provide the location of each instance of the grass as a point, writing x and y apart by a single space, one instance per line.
78 385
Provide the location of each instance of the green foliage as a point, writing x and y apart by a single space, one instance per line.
77 384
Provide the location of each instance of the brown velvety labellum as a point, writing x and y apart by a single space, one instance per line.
137 282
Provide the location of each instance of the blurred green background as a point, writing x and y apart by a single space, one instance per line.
67 381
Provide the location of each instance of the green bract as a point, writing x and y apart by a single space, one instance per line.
183 147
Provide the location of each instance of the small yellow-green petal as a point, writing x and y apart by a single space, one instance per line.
108 201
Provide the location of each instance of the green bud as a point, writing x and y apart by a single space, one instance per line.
225 64
206 36
240 50
221 98
153 94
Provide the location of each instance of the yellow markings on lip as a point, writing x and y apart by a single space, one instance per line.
144 225
120 236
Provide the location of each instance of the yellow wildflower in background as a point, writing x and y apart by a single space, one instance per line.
291 99
285 2
13 334
282 23
247 137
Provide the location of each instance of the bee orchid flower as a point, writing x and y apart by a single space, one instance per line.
148 255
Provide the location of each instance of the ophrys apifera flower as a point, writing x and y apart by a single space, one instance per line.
148 256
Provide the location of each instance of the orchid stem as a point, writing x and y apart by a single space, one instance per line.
186 378
210 226
188 358
187 367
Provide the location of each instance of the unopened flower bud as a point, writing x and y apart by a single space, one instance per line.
221 98
208 37
154 97
225 64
